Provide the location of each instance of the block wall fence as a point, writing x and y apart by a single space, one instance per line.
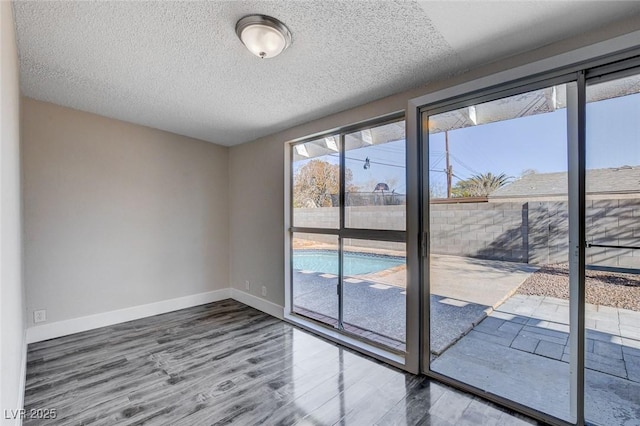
534 232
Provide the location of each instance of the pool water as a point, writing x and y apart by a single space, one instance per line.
354 263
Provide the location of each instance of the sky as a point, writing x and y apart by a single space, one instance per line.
535 142
539 143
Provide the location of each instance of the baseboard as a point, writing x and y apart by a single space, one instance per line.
39 333
258 303
63 328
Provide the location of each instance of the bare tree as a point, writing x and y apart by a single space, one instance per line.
437 190
315 183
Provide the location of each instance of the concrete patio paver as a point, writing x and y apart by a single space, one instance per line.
534 363
480 281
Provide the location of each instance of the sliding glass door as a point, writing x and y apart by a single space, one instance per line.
612 276
348 244
531 267
498 247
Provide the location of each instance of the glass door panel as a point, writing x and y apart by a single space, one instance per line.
375 283
612 215
344 271
316 183
315 269
375 179
498 247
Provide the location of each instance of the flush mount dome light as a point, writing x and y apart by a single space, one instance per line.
264 36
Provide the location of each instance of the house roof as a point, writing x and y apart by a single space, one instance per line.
624 179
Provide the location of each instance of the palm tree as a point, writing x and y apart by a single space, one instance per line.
479 185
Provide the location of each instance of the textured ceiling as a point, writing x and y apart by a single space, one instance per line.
178 66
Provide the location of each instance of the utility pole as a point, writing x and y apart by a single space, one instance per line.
449 169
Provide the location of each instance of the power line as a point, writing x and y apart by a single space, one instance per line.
464 165
378 162
371 162
460 178
437 161
383 148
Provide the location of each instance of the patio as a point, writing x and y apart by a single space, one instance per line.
521 351
465 290
486 334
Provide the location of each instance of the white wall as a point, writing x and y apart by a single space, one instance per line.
118 215
12 313
256 173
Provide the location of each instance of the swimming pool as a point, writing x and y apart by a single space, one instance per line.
354 263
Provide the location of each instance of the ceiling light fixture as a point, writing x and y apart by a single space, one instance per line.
264 36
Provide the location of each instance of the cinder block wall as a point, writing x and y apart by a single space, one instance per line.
365 217
613 222
548 232
535 232
486 230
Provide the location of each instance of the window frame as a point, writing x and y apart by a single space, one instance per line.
342 232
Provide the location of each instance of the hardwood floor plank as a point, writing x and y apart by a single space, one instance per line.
226 363
379 400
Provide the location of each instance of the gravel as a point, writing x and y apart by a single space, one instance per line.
602 288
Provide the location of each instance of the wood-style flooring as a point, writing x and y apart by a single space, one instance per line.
226 363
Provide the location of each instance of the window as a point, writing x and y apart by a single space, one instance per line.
348 250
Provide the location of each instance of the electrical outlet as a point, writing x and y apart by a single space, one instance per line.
264 291
40 316
247 285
